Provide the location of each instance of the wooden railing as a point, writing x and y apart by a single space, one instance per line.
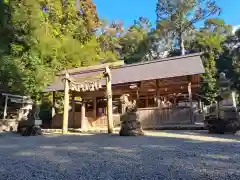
76 122
157 117
150 118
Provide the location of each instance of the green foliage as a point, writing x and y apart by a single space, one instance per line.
229 60
39 38
215 32
136 42
209 40
45 111
209 79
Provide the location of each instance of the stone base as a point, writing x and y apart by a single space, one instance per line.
131 128
221 126
31 131
237 133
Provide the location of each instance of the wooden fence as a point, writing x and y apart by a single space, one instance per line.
75 122
150 118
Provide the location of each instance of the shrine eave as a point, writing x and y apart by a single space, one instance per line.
158 69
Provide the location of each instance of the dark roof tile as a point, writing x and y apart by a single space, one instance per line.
158 69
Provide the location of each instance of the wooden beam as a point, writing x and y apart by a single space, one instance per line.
15 96
92 68
161 88
66 105
119 92
125 89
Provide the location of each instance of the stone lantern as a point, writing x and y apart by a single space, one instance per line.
227 119
227 98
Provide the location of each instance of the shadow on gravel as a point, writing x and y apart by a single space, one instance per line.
166 155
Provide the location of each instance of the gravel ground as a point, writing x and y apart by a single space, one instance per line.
160 155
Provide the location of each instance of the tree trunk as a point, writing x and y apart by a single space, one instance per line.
182 47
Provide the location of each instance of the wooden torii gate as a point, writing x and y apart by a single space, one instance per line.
69 84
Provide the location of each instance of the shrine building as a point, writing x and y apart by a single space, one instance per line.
166 91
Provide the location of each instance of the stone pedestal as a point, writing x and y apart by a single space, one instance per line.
130 126
30 126
229 99
227 119
227 108
237 133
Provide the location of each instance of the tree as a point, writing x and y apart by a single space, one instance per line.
17 57
179 16
39 38
229 60
209 40
141 42
109 40
136 42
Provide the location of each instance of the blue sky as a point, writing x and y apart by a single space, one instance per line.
129 10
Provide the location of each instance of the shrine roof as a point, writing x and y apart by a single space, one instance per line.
158 69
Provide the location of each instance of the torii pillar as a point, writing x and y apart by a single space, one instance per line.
109 100
66 105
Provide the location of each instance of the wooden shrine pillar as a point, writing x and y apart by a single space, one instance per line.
94 107
123 107
138 98
73 108
109 100
83 116
199 104
53 104
158 93
203 110
5 107
66 105
147 104
158 99
175 101
190 100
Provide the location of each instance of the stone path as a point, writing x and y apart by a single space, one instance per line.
160 155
